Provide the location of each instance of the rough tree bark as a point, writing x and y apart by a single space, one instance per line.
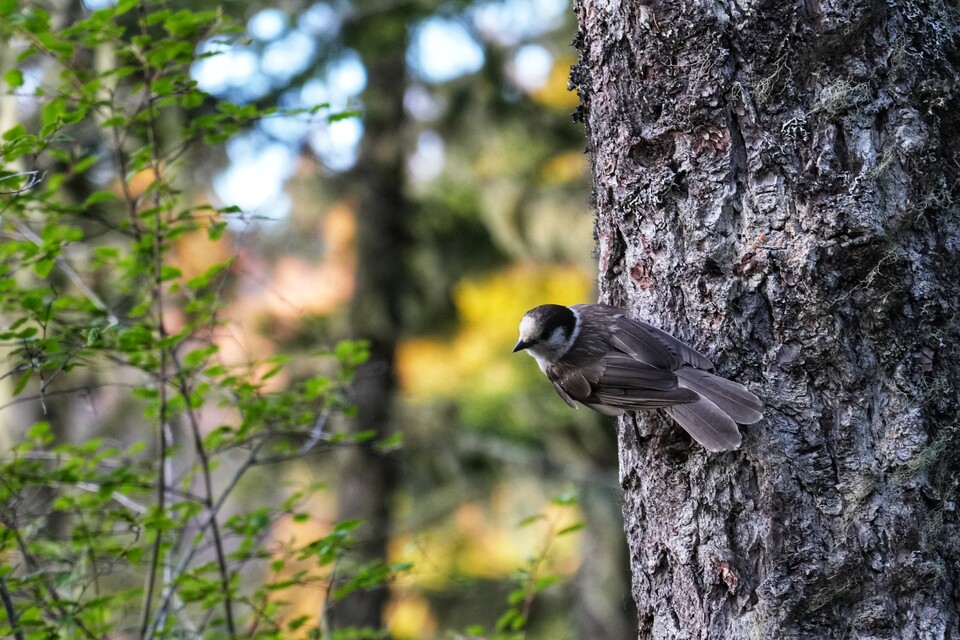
777 183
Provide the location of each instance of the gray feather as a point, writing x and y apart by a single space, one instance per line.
639 344
730 397
687 354
706 424
621 383
566 397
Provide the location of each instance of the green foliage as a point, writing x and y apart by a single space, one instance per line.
141 532
99 539
532 579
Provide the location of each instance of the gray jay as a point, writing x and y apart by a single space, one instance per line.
597 355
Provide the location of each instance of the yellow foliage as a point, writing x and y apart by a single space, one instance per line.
485 540
566 167
491 550
409 616
478 358
339 229
554 92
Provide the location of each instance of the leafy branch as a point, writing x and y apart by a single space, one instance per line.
152 540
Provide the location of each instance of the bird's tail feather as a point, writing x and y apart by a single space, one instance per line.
707 424
732 398
712 420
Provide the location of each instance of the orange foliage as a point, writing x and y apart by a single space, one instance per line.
285 292
142 180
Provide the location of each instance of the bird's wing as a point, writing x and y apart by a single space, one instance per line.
680 351
563 394
652 345
620 382
637 341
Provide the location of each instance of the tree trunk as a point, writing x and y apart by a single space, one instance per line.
776 183
369 476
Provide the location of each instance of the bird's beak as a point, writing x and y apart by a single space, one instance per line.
521 346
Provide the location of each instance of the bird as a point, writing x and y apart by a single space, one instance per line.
599 356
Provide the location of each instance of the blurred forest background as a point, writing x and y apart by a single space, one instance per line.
410 176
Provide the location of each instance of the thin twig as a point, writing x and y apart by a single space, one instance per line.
163 348
55 600
208 502
252 460
201 530
317 434
324 621
11 612
158 539
34 178
71 273
118 497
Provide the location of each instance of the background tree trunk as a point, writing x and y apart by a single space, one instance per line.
368 476
776 183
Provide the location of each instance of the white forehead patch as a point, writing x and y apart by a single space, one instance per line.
529 328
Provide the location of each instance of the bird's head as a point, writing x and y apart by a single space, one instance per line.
547 332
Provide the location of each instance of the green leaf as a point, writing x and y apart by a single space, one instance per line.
40 431
192 99
572 528
216 229
199 356
364 436
98 196
81 166
565 500
169 272
15 133
44 266
298 622
347 525
526 522
545 582
512 620
13 78
218 436
344 115
351 353
22 382
368 577
391 443
52 114
104 255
